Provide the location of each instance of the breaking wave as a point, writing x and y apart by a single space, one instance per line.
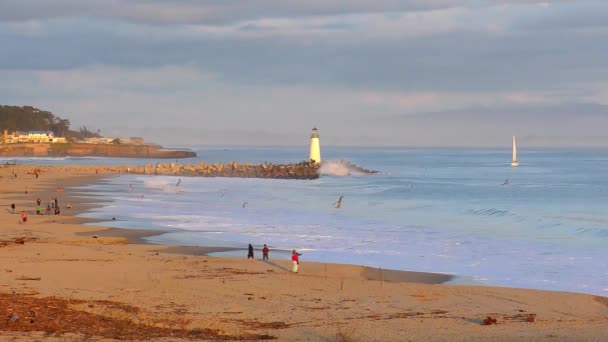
342 168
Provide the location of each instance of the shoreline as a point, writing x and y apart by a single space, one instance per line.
139 235
147 291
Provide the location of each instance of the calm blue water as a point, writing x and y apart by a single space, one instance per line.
437 210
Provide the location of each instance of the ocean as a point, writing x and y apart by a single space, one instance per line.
431 210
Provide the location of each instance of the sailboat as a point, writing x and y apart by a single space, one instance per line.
514 162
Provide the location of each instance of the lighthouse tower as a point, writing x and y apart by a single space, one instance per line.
315 149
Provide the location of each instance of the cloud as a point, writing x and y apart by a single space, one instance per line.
216 12
232 67
377 53
179 104
573 15
552 125
428 102
505 113
211 12
345 28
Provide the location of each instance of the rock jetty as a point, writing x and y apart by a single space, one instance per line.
303 170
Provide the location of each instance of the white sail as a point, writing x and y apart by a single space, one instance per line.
514 161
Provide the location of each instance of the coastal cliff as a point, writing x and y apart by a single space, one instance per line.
92 150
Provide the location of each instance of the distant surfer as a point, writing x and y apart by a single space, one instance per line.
179 182
339 202
506 181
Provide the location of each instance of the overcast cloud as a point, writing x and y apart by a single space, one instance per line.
417 72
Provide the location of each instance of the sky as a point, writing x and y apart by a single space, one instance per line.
264 72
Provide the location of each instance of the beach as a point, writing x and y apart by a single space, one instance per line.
60 279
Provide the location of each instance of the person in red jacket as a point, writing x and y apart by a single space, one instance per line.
265 251
295 260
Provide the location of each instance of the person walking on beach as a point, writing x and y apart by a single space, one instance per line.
13 208
265 251
295 260
23 216
250 253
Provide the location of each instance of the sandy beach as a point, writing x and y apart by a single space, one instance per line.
62 280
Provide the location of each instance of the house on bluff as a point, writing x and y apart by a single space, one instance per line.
24 137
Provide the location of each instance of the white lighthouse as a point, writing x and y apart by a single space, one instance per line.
315 149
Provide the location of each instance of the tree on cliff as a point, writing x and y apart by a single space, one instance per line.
84 133
28 118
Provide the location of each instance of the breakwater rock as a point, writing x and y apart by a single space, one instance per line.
303 170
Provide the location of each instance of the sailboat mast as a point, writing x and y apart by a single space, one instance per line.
514 162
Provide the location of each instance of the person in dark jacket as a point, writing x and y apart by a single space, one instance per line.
250 254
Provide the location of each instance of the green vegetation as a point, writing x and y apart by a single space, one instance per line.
28 118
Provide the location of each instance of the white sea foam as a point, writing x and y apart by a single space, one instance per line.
430 211
338 168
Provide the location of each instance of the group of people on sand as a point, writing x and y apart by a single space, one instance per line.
295 256
51 208
265 251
